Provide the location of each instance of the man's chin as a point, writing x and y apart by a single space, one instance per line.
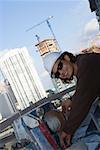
70 78
67 79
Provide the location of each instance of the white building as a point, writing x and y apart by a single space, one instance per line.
7 100
17 66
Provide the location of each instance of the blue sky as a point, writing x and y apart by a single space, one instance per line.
73 24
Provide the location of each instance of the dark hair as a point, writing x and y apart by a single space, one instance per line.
71 56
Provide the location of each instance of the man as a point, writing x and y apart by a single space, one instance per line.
86 68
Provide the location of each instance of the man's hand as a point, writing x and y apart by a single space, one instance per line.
65 139
66 105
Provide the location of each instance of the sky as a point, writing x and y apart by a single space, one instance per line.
73 24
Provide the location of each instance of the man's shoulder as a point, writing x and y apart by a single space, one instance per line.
88 63
88 58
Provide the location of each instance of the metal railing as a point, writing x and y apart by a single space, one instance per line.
32 107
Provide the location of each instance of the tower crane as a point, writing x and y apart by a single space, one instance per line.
49 25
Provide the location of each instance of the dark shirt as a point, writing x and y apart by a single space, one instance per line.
87 89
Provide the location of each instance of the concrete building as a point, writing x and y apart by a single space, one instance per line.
18 67
7 100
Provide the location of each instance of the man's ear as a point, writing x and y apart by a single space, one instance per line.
66 57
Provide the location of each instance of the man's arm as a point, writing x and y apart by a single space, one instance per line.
82 100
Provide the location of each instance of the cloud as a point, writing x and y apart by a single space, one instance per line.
91 29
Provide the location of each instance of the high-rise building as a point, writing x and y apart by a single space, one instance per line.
7 100
95 6
18 67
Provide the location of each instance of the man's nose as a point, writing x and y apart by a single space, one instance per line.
61 72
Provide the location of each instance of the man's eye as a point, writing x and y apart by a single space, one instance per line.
60 66
57 74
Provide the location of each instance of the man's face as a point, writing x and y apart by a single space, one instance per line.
63 69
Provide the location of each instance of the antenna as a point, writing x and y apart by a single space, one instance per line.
38 38
48 23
